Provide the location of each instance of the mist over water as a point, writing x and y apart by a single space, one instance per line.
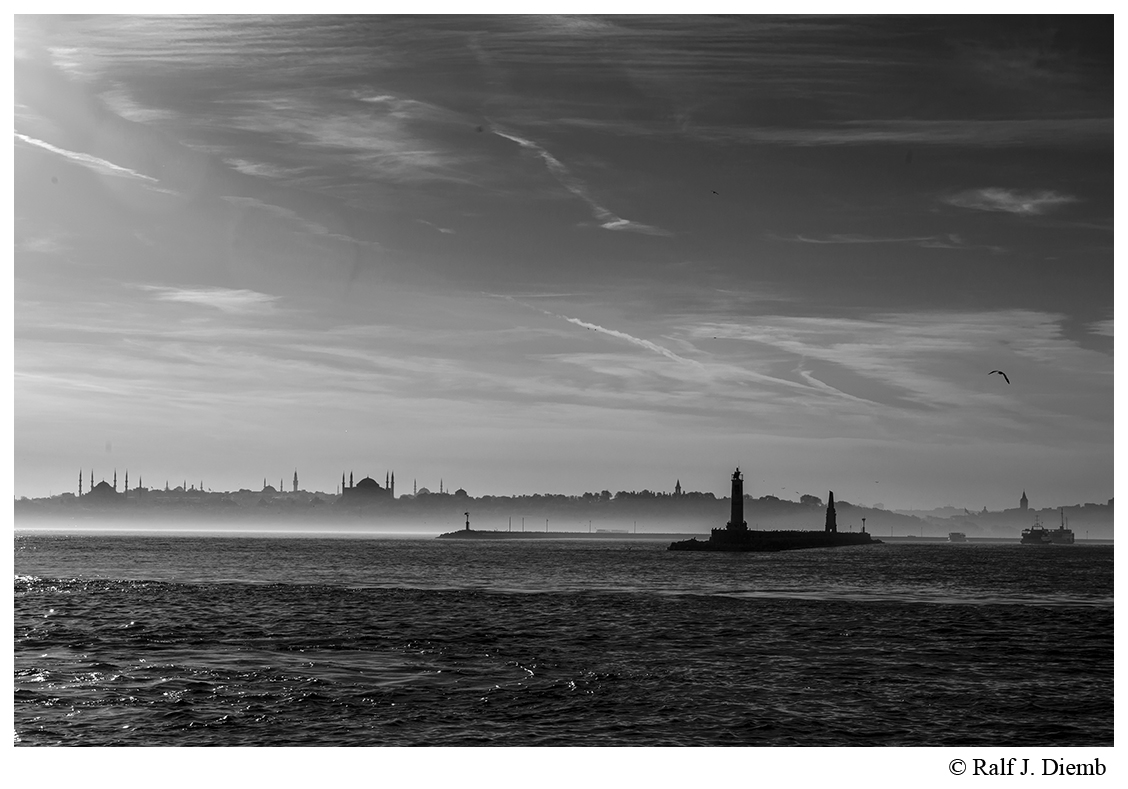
237 641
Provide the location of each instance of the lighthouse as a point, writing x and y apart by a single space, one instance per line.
737 522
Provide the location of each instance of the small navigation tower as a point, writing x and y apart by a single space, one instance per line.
831 516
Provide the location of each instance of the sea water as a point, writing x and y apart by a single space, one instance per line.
227 640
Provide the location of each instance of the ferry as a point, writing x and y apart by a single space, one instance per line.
957 536
1040 535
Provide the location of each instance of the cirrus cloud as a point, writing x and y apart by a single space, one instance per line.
1011 201
225 299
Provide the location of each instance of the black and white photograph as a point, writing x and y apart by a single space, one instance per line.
602 381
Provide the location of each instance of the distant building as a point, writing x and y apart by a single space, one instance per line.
677 488
365 491
1023 503
103 491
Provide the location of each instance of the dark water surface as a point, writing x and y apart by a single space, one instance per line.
158 640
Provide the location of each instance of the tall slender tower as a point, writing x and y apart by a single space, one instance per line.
92 479
80 483
736 522
1023 503
126 490
115 480
350 479
831 517
295 480
387 483
393 487
414 487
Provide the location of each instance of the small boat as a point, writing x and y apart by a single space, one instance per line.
957 536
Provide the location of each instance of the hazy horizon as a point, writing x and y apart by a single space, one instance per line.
566 254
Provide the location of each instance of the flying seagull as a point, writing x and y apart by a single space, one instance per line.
718 194
1000 372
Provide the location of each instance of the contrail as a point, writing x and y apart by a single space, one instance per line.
93 162
647 344
607 219
650 346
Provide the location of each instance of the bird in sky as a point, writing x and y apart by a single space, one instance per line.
1000 372
718 194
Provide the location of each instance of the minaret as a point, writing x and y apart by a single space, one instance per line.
736 522
295 480
92 479
126 482
115 480
414 487
80 483
350 480
831 518
139 483
392 489
440 484
387 484
264 483
342 481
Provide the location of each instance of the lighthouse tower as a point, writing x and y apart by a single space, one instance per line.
737 522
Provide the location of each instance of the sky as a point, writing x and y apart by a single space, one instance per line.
544 254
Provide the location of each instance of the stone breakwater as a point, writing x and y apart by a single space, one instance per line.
724 540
